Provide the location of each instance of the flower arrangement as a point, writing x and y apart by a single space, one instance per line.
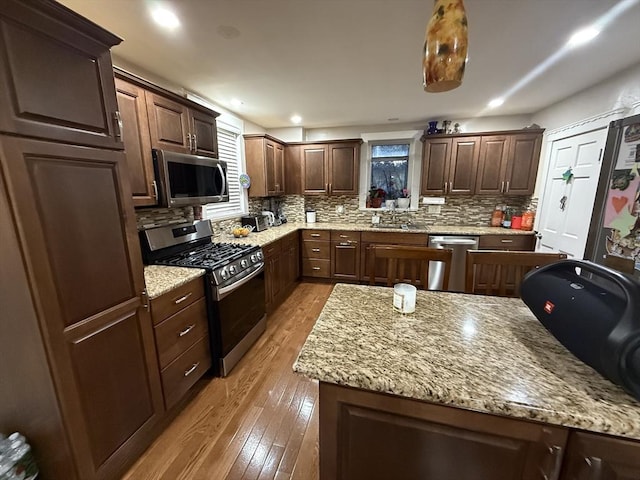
375 198
404 193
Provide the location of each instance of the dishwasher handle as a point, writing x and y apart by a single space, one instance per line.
454 241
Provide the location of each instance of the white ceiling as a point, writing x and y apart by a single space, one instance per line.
358 62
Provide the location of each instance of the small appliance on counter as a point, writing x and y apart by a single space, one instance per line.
596 317
311 216
269 217
258 222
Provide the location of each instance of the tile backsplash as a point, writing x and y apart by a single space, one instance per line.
473 210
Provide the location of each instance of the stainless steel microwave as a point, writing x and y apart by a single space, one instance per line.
189 179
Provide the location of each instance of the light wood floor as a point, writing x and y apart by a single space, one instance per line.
260 422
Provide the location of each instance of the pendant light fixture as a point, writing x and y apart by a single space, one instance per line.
445 47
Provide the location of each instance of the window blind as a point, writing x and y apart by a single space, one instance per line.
229 151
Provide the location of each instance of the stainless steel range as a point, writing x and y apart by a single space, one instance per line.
235 281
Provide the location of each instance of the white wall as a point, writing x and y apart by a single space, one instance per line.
288 134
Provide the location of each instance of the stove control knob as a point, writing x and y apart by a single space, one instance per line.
259 255
244 263
232 269
224 274
254 258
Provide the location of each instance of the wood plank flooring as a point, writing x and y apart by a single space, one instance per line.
260 422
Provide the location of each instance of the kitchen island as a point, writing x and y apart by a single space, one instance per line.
467 387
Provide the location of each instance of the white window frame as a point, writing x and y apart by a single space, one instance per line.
238 202
412 137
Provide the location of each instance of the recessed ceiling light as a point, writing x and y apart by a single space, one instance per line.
583 36
235 102
165 18
296 119
495 103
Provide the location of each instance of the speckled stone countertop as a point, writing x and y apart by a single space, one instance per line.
275 233
488 354
160 279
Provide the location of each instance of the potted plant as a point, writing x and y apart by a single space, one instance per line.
404 200
376 196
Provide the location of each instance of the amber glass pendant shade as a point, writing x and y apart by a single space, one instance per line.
445 47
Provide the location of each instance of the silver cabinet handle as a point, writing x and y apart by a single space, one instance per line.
118 124
182 299
345 244
195 142
553 472
192 369
594 468
186 330
190 140
315 249
506 241
154 185
445 187
316 268
344 236
502 187
315 234
450 186
507 189
330 188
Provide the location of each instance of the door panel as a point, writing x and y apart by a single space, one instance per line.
168 124
206 134
343 161
77 68
464 165
524 156
435 161
279 169
137 142
314 169
567 230
270 166
492 164
598 457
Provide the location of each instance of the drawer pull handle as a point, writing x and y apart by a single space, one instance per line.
506 241
315 249
192 369
186 330
344 236
316 268
345 244
315 234
182 299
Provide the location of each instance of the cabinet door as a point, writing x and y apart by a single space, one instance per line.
88 278
598 457
365 435
137 142
436 154
345 260
56 82
492 164
315 175
343 166
270 166
168 124
293 169
204 133
524 156
463 166
279 169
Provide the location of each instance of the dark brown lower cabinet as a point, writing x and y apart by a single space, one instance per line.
281 269
367 435
85 328
598 457
345 255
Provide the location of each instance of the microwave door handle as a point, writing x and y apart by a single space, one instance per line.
224 181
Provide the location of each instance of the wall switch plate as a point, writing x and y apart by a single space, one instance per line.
434 209
375 219
433 200
340 209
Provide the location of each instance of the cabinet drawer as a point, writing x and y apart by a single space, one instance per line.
184 371
313 267
178 332
272 249
171 302
392 238
506 242
316 235
316 249
344 236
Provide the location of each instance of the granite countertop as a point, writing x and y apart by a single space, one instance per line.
160 279
275 233
488 354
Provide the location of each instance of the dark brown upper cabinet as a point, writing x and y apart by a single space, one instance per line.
137 142
509 163
177 127
325 168
155 118
449 165
265 165
58 84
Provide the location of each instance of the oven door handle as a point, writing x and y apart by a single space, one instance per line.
224 291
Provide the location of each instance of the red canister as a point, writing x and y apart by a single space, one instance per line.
516 222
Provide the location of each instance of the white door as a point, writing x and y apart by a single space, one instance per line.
566 207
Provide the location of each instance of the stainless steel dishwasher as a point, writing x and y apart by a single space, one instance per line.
459 244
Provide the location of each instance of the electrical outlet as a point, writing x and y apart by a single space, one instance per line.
375 219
